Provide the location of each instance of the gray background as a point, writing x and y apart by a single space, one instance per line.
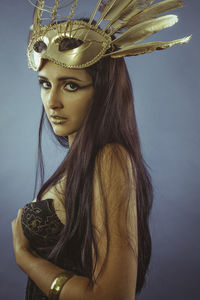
166 88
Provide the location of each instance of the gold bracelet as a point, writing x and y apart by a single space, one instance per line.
58 284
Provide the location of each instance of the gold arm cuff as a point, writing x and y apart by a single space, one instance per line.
58 284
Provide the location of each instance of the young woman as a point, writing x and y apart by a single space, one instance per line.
86 235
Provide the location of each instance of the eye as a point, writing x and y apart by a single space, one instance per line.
44 84
71 87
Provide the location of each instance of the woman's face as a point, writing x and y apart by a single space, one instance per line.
66 95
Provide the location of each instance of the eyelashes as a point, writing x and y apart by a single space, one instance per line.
44 84
69 86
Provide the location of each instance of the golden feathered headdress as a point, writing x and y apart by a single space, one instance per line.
78 44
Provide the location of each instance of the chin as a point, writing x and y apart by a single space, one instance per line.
60 132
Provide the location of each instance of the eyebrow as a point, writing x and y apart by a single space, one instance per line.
61 78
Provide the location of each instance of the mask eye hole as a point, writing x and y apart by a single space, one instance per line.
69 44
40 46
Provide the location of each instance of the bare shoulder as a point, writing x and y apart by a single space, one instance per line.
114 182
112 148
114 160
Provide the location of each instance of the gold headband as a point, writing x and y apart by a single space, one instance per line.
79 43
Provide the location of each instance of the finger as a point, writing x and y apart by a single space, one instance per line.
13 224
20 211
19 214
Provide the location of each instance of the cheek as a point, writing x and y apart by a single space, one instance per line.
79 108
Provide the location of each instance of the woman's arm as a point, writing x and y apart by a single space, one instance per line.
117 280
41 271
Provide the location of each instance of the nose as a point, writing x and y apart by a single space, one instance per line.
54 99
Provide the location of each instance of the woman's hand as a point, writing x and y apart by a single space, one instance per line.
20 242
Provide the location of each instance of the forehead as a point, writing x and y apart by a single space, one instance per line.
54 71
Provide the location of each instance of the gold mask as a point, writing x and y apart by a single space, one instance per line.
78 44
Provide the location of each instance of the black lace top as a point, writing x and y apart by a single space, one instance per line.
42 228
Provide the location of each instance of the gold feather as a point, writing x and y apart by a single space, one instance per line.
127 7
105 10
145 29
116 9
147 47
136 6
115 13
150 12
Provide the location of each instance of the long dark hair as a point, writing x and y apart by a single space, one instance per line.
110 120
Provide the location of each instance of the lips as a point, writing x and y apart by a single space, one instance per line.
56 117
